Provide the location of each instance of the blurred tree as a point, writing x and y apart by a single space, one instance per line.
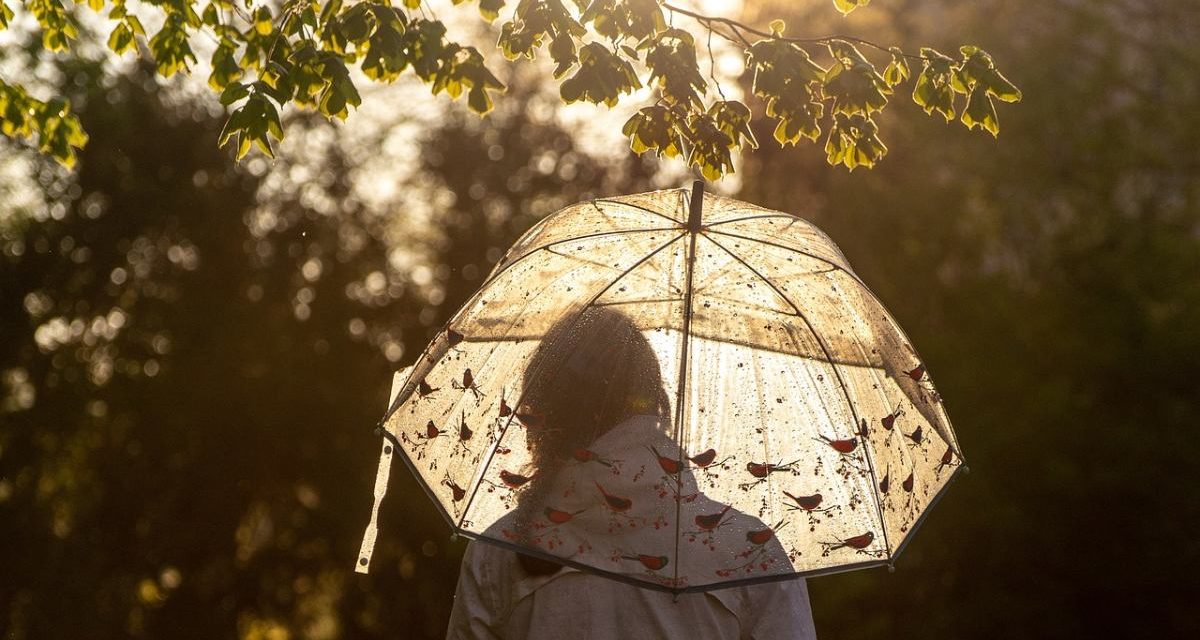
1052 283
269 54
194 355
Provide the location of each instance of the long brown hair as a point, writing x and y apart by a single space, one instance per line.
591 372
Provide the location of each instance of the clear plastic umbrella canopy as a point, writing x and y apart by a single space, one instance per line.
679 390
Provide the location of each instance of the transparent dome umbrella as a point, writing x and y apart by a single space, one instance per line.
775 420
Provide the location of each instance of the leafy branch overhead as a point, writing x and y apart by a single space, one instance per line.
269 55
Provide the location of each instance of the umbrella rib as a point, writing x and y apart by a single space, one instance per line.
793 250
754 217
836 372
638 207
504 430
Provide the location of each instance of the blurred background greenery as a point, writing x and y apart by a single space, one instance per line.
193 353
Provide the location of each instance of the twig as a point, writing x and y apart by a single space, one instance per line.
738 27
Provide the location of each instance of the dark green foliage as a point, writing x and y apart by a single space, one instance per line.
301 52
194 457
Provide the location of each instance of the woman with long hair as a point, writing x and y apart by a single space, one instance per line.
595 387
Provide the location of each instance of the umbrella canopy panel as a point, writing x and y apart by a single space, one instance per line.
681 410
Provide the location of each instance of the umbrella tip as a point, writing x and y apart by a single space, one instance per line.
697 205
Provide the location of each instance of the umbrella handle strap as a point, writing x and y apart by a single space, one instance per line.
367 549
386 451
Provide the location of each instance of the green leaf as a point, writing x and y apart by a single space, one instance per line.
655 128
981 112
490 9
57 130
6 15
854 142
733 119
339 93
934 90
846 6
225 68
263 21
671 58
853 83
253 124
121 39
710 147
58 27
234 92
563 51
897 70
602 77
170 47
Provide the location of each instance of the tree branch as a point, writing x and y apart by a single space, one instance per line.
738 27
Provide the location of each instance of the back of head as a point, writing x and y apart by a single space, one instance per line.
592 371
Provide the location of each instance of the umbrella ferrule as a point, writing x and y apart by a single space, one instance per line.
697 205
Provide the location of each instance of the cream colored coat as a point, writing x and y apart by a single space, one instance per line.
496 599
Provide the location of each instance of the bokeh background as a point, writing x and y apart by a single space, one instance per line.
193 353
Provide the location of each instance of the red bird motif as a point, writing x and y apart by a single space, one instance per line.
916 373
616 503
947 459
464 432
857 542
763 469
531 420
587 455
842 446
505 410
468 384
908 483
653 563
712 520
453 337
423 389
459 492
704 459
915 436
513 480
808 503
889 421
559 517
669 465
762 536
886 482
431 430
